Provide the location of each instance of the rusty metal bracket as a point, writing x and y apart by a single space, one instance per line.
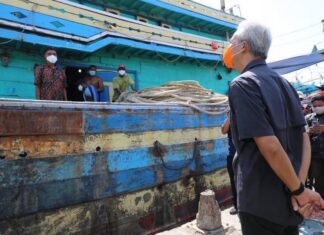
159 151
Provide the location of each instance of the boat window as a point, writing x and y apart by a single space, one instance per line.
142 19
167 26
113 11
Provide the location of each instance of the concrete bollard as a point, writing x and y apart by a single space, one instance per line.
209 214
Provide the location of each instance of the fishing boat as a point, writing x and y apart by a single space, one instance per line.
158 41
71 167
112 169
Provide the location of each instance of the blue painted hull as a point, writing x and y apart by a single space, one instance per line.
143 155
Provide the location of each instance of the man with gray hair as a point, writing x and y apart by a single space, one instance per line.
273 149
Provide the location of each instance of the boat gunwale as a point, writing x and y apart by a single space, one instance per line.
24 103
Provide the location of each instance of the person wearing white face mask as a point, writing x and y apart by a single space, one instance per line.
316 132
91 85
50 81
122 82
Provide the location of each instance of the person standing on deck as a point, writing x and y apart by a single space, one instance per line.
91 85
272 148
231 153
122 82
50 81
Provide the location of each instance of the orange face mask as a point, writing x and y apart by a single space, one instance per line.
228 56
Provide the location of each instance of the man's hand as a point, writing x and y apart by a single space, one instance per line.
312 209
314 130
305 211
308 196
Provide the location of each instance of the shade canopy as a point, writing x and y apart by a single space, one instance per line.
296 63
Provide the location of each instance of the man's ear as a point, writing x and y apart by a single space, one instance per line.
245 46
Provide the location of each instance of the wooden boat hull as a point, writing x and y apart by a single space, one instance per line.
81 168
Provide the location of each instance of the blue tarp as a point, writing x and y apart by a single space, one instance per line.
305 88
296 63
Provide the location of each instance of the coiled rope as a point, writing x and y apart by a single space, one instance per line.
187 93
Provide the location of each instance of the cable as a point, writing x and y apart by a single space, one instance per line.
129 35
296 40
166 59
5 42
297 30
210 69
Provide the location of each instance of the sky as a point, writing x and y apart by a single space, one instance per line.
295 26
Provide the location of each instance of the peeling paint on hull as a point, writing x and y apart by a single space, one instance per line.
82 178
140 212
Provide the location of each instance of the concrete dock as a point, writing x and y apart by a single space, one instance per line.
231 226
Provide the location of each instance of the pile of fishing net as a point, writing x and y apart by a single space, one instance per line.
187 93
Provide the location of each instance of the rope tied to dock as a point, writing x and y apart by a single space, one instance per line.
186 93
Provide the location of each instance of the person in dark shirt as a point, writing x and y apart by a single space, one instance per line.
316 133
272 148
50 81
231 152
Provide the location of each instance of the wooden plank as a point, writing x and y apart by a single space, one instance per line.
123 23
148 120
13 147
32 123
45 21
119 141
33 171
48 184
50 146
83 219
205 10
14 89
140 212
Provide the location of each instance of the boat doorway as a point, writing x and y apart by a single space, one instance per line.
74 76
76 72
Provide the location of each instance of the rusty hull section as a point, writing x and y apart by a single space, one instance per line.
40 122
86 170
145 212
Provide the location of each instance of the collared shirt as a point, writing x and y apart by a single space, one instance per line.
231 147
264 104
52 82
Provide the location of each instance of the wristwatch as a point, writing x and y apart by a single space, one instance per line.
298 191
